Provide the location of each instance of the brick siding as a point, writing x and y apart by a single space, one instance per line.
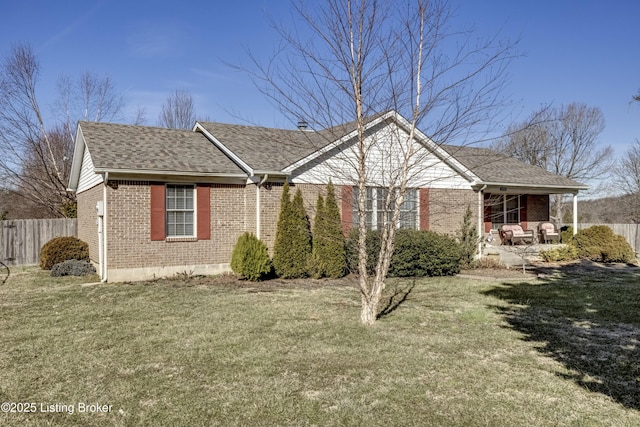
88 219
447 208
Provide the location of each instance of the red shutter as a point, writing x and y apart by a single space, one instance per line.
424 209
157 212
347 209
488 223
204 211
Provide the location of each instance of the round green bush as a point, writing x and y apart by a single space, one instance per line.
61 249
561 253
250 258
600 243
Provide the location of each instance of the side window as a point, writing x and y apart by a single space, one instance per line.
180 210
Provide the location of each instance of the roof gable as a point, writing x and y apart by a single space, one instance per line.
141 149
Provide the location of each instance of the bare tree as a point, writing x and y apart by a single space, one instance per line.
35 156
178 111
627 178
563 141
366 57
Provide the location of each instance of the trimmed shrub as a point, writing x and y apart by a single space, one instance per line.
420 253
562 253
61 249
73 267
600 243
293 237
417 253
250 258
328 252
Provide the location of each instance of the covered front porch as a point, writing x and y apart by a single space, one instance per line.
527 206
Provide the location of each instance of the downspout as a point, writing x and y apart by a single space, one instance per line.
481 220
575 214
259 185
104 228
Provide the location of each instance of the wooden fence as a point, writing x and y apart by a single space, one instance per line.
21 239
631 232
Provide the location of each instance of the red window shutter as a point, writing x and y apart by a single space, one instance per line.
424 209
347 209
204 212
157 212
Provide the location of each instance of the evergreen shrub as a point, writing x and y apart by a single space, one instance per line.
600 243
328 250
417 253
61 249
250 258
73 267
293 237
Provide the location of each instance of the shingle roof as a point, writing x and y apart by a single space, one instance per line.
493 167
270 149
150 149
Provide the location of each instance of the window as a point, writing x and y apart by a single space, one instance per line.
180 210
375 208
505 209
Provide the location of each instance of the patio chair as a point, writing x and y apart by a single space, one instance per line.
514 233
548 232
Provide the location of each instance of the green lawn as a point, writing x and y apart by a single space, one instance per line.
202 351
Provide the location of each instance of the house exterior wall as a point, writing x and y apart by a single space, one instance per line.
131 255
537 211
88 219
447 208
88 178
384 155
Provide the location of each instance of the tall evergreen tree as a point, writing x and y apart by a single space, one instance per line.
293 237
280 252
316 266
334 256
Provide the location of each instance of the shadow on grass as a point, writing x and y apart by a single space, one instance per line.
587 317
396 299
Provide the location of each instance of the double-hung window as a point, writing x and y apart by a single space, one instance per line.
376 213
180 210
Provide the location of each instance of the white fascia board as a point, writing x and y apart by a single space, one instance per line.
334 144
233 156
76 164
175 173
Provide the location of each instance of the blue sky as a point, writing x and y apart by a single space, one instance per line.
573 51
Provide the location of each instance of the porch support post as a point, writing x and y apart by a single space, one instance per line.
575 213
480 220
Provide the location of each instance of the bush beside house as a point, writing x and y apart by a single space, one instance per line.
61 249
250 258
292 247
417 253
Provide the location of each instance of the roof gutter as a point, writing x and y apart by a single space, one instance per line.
517 185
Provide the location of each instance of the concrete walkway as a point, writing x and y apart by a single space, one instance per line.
514 256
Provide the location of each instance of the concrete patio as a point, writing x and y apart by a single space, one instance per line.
514 256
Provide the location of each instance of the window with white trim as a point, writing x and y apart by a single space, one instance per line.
375 208
180 211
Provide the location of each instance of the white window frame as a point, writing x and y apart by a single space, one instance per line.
505 210
374 205
192 210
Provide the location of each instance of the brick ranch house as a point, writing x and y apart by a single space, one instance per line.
155 202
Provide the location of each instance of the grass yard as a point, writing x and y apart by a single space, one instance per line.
211 351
